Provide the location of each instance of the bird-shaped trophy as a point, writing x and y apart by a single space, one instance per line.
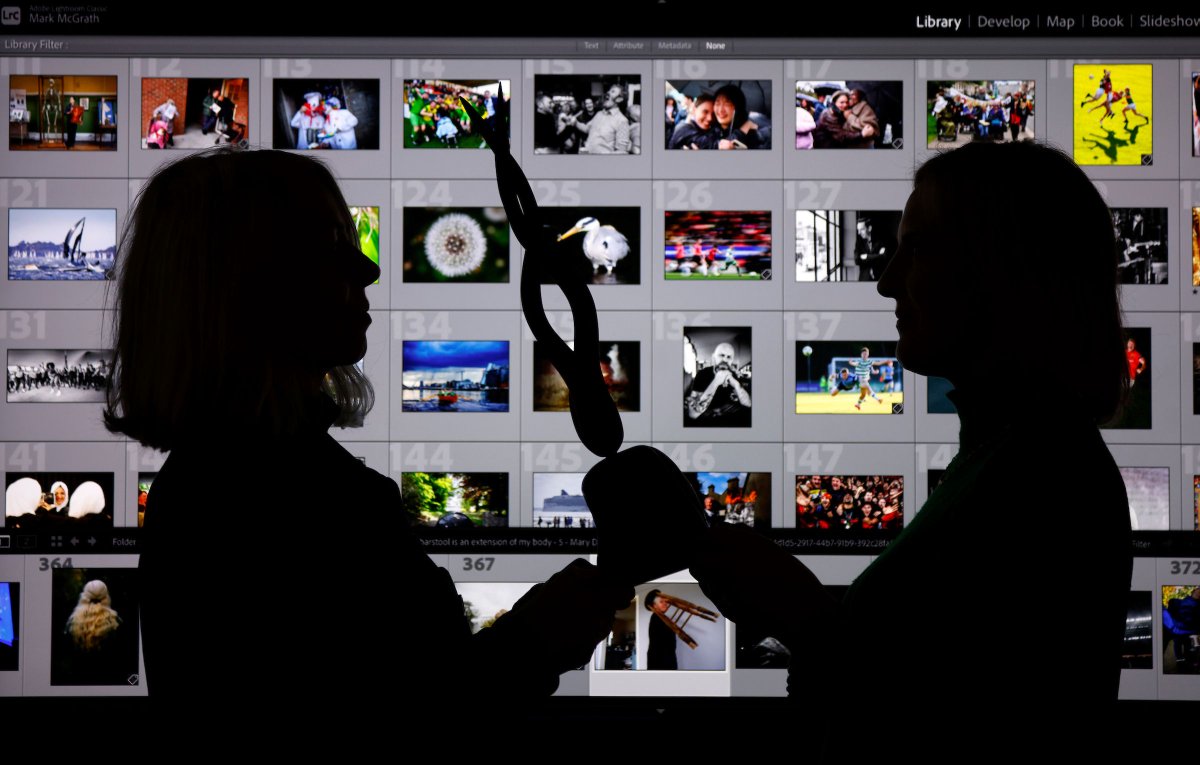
642 539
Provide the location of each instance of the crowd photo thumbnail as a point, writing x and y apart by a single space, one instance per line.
849 114
959 112
57 376
434 117
587 114
850 502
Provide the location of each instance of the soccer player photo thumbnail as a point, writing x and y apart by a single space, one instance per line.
850 502
194 112
60 376
558 502
599 245
620 363
702 245
587 114
326 114
456 244
741 499
1181 629
1112 105
1137 409
434 117
850 114
716 377
1141 244
10 626
1149 492
844 245
718 114
1001 111
60 502
94 626
61 244
845 377
455 376
62 112
455 500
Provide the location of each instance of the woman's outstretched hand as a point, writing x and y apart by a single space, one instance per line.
555 626
755 583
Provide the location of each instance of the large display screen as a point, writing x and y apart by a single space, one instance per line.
732 241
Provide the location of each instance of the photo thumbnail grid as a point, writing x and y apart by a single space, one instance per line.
798 256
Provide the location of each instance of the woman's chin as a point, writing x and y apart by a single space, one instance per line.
343 354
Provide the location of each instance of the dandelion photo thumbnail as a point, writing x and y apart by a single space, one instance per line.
463 244
455 245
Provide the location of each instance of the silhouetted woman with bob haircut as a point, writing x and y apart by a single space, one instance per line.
227 290
994 622
241 311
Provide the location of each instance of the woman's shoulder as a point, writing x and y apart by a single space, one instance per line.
1037 456
1055 437
276 473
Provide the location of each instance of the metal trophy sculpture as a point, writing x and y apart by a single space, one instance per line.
639 540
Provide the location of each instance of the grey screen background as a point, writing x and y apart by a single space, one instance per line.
653 312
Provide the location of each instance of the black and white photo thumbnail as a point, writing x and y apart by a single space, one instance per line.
844 245
716 377
587 114
57 376
1141 244
1149 492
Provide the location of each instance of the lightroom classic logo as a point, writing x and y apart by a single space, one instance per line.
10 15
